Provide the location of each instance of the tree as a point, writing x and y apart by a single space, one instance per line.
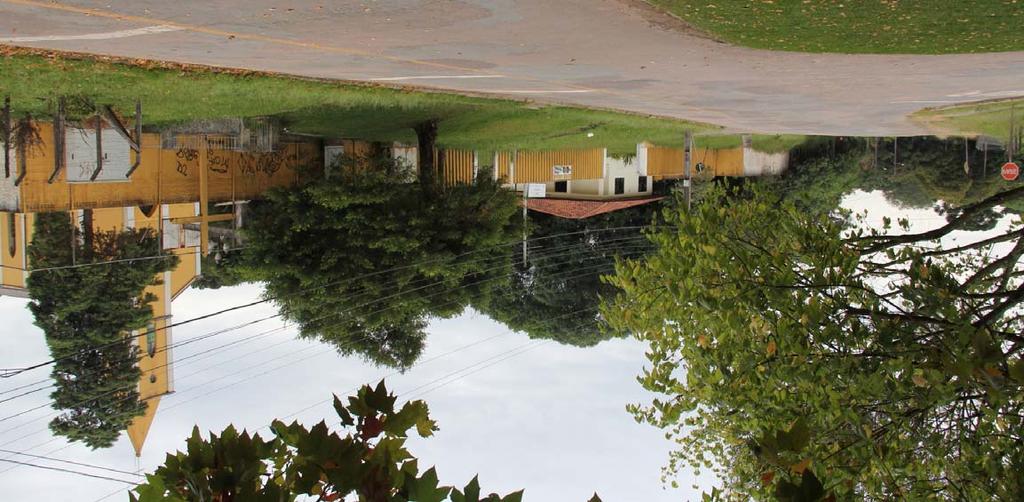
562 280
363 258
927 170
808 358
87 314
226 272
371 462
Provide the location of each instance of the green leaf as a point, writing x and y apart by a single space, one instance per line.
798 436
425 489
513 497
346 417
412 414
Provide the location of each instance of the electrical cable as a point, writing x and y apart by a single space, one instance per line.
13 372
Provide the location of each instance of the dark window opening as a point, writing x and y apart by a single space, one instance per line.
561 186
620 186
151 339
641 184
12 235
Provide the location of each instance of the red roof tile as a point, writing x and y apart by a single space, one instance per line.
579 209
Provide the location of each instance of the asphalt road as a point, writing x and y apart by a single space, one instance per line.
616 54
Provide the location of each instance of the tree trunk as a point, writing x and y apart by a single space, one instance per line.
88 234
426 138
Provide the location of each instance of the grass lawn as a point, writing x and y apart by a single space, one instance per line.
859 26
991 119
329 109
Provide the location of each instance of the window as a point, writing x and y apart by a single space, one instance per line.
641 184
12 235
620 186
561 186
562 170
151 339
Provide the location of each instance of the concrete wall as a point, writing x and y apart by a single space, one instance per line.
757 163
630 171
81 155
8 192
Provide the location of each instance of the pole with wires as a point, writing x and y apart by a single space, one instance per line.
687 160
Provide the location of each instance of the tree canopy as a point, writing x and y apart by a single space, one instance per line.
364 257
87 314
807 358
562 278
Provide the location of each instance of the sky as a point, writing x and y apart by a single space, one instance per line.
535 415
522 414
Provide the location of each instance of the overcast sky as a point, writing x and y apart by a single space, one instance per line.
521 413
544 417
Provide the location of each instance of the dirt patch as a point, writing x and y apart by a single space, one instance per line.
661 19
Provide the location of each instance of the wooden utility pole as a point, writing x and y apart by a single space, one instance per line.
5 129
687 158
99 147
204 197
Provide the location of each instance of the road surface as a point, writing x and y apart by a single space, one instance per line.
617 54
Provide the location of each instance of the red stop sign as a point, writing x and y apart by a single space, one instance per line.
1010 171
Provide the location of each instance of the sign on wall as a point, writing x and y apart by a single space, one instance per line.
562 170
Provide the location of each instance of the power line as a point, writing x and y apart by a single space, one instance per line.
97 263
510 331
71 462
69 471
12 372
489 362
377 300
281 366
274 369
330 349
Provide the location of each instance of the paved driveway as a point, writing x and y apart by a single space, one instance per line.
606 53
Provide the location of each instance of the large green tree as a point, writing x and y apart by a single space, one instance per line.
918 172
562 276
87 312
370 463
366 256
801 356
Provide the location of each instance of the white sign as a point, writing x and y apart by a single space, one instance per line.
562 170
536 190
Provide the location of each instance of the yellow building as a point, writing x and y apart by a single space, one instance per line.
171 190
667 163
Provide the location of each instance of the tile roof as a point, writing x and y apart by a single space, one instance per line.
579 209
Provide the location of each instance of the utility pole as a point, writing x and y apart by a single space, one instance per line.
526 198
5 129
1010 141
984 157
967 158
895 153
687 156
